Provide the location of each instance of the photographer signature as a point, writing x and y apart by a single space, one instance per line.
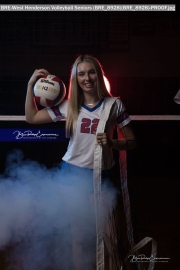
143 258
29 133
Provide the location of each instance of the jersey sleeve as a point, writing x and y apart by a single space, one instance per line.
122 117
59 112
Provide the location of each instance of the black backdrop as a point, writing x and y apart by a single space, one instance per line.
140 55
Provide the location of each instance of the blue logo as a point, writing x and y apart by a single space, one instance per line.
27 135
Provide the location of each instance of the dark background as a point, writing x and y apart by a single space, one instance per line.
140 55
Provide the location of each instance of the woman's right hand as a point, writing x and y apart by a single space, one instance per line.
37 73
33 115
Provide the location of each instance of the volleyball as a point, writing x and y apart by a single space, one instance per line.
49 91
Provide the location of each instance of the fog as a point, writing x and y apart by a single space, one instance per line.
35 220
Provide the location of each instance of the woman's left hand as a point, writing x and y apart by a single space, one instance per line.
103 139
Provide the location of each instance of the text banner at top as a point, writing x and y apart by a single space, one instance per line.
102 7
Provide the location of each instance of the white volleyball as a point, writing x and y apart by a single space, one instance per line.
49 91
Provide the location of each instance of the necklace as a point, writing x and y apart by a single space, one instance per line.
91 104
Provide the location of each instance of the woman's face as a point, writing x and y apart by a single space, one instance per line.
87 77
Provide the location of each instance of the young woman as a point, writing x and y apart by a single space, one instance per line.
90 124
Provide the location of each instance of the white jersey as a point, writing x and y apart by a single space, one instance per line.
80 150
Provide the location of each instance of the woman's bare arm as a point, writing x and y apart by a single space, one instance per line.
33 116
126 143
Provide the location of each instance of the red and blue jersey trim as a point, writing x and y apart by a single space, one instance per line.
94 108
56 111
122 117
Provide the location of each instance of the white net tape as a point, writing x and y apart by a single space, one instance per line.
133 117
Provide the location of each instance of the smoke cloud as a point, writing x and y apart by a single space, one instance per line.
37 212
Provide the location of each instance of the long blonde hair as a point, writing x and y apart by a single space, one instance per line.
76 97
